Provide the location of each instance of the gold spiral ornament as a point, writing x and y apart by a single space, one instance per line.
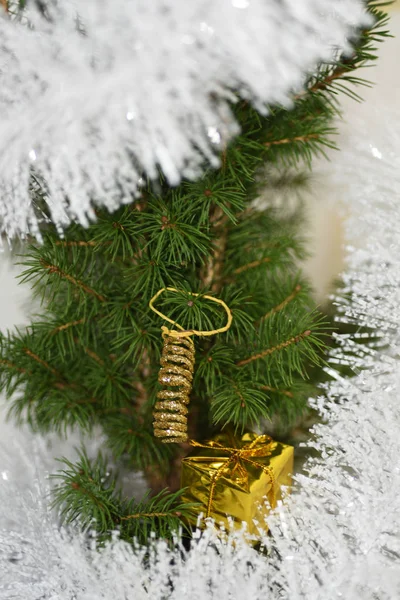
176 374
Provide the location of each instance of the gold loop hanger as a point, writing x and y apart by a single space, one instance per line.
189 332
176 373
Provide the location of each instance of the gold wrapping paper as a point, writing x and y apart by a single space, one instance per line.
231 476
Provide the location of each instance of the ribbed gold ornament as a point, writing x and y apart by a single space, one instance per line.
176 375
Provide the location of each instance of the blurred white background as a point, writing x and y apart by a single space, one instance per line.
325 213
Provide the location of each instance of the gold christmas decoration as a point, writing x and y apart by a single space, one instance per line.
176 374
233 477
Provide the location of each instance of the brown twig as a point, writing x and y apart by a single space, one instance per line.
62 383
75 485
324 83
252 265
287 393
144 370
53 269
223 160
239 393
92 354
172 480
40 361
66 243
4 4
294 340
298 138
151 515
11 365
211 274
284 303
67 325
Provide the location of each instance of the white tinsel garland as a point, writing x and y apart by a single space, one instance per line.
139 85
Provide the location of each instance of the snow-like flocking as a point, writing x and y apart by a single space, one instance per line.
89 104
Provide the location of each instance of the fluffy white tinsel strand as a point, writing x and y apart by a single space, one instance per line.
146 86
342 530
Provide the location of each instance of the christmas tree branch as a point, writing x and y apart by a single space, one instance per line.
11 365
40 361
211 275
151 515
268 388
324 83
298 138
293 340
252 265
65 326
88 492
92 354
283 304
62 382
54 270
76 243
364 53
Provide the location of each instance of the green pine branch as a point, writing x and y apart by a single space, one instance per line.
87 493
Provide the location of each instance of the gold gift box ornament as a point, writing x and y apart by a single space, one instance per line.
232 477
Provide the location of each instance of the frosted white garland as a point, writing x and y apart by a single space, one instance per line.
342 530
147 86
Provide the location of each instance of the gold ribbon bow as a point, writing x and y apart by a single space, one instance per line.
260 446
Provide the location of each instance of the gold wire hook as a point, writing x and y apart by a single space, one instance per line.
189 332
